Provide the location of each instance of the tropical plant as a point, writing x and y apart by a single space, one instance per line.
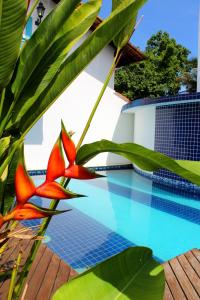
31 79
123 276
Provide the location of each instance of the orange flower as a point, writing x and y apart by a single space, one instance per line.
54 190
56 163
69 146
79 172
24 186
28 211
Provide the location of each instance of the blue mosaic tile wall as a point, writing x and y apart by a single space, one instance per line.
177 133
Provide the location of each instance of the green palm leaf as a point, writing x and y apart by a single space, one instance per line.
144 158
77 61
132 274
12 18
40 42
74 28
193 166
125 34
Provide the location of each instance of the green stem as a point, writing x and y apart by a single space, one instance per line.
64 182
87 126
23 275
14 276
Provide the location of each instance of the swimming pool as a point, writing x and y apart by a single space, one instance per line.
121 210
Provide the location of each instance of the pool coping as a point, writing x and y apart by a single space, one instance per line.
166 100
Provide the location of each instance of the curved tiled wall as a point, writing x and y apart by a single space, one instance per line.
176 133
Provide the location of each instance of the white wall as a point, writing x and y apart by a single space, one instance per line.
143 120
74 107
144 127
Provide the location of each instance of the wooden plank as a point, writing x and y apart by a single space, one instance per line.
12 258
36 262
11 247
33 268
62 276
196 253
168 295
35 283
46 288
173 283
193 261
191 274
183 280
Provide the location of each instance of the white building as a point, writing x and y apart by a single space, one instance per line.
74 107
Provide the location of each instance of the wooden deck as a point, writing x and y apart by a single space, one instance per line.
49 272
183 277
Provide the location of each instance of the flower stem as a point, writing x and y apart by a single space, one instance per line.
14 276
64 182
87 126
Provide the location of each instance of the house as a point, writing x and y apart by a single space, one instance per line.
75 104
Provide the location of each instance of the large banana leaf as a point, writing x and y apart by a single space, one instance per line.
74 28
7 184
132 274
193 166
125 34
40 42
77 61
144 158
12 18
4 145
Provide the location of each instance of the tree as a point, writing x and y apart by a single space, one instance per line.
160 74
189 78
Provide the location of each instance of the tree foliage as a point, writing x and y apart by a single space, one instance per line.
189 78
162 73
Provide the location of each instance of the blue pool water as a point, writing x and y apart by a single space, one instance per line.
121 210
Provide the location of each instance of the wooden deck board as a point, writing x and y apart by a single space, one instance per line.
192 275
46 288
168 295
183 277
173 283
49 272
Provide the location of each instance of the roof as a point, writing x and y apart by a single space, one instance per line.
130 53
124 98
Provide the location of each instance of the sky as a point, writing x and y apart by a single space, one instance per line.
178 17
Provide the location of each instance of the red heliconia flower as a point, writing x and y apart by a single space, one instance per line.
28 211
54 190
79 172
56 163
69 146
24 186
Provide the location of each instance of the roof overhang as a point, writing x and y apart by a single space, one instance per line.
130 53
